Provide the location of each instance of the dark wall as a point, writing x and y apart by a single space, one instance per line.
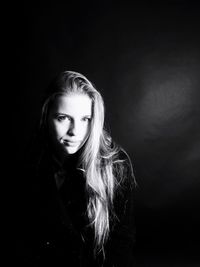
145 59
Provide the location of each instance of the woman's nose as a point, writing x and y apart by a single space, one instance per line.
73 129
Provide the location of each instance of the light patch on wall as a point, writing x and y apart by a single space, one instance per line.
166 99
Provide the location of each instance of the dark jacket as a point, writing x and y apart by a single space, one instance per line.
54 228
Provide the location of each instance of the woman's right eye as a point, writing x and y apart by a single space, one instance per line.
62 118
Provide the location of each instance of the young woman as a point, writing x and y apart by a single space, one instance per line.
82 189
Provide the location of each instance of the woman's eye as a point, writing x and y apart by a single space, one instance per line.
87 119
62 118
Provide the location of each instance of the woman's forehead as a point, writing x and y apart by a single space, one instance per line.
73 103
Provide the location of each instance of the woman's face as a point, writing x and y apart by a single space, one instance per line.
69 122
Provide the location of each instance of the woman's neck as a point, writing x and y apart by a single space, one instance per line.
66 161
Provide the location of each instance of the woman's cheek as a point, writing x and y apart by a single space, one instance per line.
61 129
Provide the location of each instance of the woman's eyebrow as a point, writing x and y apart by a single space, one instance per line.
66 114
88 116
60 113
56 114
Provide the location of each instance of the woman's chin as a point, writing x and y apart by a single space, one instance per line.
71 150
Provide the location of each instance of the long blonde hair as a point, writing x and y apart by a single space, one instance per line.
97 154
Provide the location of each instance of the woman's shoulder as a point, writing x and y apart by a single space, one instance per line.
123 154
125 185
123 167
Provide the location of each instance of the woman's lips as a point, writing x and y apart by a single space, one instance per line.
70 143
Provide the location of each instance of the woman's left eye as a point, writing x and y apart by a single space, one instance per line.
86 119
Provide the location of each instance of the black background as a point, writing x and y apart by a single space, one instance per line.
144 58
